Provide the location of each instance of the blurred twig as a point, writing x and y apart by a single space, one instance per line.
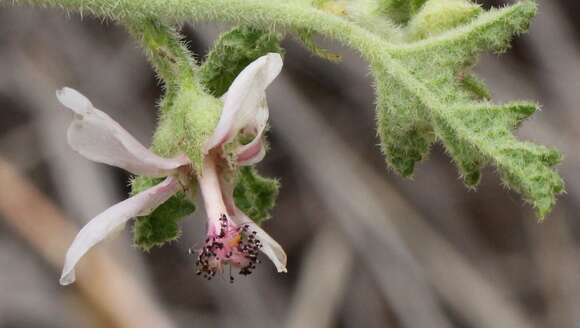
322 282
343 188
372 214
104 282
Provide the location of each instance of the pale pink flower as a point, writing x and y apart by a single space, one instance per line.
98 137
232 237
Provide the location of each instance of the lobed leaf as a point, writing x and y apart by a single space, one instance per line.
426 93
481 133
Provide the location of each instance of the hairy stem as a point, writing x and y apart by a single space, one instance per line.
271 14
167 53
267 14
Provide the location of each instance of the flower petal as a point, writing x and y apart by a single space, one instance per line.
244 97
270 247
251 153
98 137
105 223
254 151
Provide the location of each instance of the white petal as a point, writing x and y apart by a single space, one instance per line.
105 223
74 100
270 247
251 153
254 151
98 137
244 97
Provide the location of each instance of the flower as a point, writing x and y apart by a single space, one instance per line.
232 237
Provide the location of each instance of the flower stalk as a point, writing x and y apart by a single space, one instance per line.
168 54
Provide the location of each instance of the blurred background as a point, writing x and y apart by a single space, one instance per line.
366 247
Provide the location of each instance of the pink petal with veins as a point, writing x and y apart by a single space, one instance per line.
254 151
107 222
99 138
244 98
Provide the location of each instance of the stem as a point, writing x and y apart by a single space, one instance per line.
167 53
173 62
30 213
270 14
265 14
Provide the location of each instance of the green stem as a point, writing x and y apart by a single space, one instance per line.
267 14
167 53
172 61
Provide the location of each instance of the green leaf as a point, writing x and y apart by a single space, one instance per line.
475 86
404 123
232 52
255 195
404 119
426 93
490 31
403 126
161 226
480 133
485 123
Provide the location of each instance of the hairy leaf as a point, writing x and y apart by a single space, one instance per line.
161 225
432 96
255 195
232 52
